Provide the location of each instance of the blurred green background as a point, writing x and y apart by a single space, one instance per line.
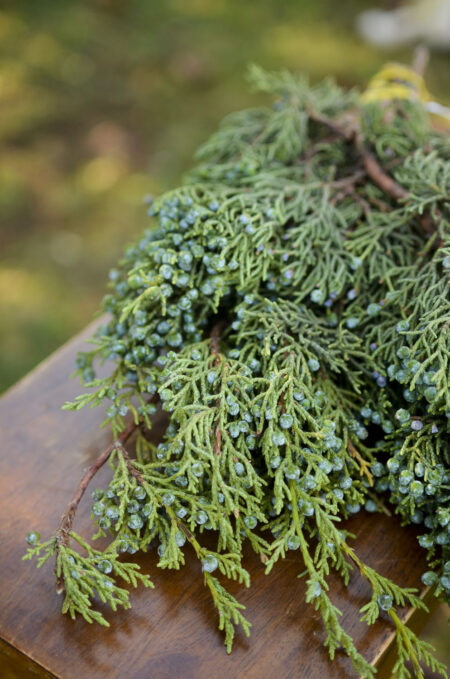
103 101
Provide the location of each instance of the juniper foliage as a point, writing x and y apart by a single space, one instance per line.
290 313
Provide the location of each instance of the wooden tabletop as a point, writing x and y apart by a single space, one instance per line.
169 631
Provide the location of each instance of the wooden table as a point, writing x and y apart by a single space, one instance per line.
170 631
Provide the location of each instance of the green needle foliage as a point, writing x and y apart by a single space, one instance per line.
290 314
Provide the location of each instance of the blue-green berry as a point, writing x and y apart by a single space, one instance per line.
352 322
377 469
98 509
385 602
286 421
316 589
416 488
445 582
239 468
105 566
234 430
201 517
402 326
133 507
292 473
373 309
180 538
250 522
293 542
32 538
402 415
355 263
430 393
211 377
147 510
317 296
209 563
426 541
278 438
112 513
197 469
313 364
404 352
140 493
135 522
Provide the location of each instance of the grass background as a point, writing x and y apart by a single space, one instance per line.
103 101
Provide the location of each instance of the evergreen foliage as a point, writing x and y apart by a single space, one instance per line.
290 314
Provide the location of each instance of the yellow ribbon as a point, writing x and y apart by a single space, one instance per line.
396 81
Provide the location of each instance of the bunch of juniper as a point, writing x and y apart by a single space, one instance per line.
290 315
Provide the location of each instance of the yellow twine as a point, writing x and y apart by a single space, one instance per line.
396 81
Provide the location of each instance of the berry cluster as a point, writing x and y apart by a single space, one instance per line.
291 320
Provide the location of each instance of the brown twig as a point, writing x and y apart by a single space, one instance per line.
372 168
347 131
350 132
65 526
69 514
218 440
377 174
185 529
215 350
141 481
347 182
131 468
216 333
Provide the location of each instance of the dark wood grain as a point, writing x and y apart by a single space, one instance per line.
170 631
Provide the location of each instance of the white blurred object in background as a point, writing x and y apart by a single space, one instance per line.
426 21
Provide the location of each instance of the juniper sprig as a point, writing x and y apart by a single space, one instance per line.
289 313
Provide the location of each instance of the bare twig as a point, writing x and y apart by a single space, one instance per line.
377 174
347 182
215 339
131 468
347 130
372 168
65 526
350 132
215 350
420 59
218 440
69 514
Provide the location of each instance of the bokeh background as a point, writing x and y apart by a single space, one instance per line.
103 101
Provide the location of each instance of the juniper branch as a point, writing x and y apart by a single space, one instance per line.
293 322
68 516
